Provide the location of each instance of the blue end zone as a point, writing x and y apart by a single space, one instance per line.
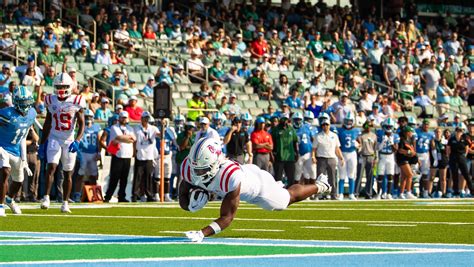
411 254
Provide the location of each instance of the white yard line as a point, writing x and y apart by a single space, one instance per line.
391 225
71 216
258 230
326 227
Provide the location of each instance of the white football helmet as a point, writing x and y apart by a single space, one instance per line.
349 120
205 159
388 124
297 120
89 116
62 85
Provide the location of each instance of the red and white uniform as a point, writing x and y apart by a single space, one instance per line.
256 185
63 124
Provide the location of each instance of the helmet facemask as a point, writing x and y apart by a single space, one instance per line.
22 105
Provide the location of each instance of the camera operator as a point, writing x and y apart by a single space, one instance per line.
236 141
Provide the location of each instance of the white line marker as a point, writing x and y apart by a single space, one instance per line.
258 230
70 216
391 225
172 232
326 227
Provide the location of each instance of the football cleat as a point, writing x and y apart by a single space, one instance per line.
2 211
12 205
168 198
389 196
65 207
45 203
352 197
409 195
323 184
340 197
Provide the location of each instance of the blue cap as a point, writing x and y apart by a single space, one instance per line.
260 120
31 58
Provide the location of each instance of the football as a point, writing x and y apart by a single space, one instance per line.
197 191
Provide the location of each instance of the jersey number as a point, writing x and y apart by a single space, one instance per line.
19 134
64 120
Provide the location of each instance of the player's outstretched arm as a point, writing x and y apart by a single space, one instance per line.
183 195
46 128
228 210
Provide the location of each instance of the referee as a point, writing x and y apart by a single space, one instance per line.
326 148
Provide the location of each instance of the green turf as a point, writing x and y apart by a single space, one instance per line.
140 251
12 238
364 211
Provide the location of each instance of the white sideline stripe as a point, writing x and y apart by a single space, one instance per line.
252 207
363 243
326 227
258 230
236 219
172 232
197 258
391 225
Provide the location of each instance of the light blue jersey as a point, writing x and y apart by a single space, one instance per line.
314 130
423 140
347 138
305 137
222 131
14 128
90 140
170 136
387 149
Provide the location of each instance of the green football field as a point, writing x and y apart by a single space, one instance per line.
391 221
358 233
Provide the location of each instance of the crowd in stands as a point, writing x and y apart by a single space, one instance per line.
330 61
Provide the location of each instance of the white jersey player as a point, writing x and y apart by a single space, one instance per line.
58 143
207 169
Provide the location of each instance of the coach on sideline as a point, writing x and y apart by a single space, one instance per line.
326 148
262 145
123 135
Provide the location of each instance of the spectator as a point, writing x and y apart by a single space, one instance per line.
232 78
443 96
237 140
195 103
165 72
282 89
342 108
83 54
195 67
134 111
103 113
216 72
146 152
392 75
44 58
121 135
244 72
431 77
185 140
262 145
148 90
285 149
259 47
6 43
293 100
122 35
326 148
455 101
179 76
103 57
5 78
332 55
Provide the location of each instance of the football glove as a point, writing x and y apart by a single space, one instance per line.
24 166
195 236
74 147
197 200
42 150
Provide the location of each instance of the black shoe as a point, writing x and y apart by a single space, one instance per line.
123 200
368 197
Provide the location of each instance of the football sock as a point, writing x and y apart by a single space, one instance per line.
341 186
351 185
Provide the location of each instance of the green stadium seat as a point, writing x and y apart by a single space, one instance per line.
249 104
98 67
80 77
180 102
153 69
183 88
254 97
83 66
142 69
175 95
135 76
138 61
243 97
262 103
430 110
298 74
255 111
417 110
273 74
187 95
127 61
288 74
91 73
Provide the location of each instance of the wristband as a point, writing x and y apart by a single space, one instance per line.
215 227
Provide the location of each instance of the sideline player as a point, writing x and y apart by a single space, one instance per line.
423 143
207 168
304 164
387 145
65 111
90 154
15 122
348 139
